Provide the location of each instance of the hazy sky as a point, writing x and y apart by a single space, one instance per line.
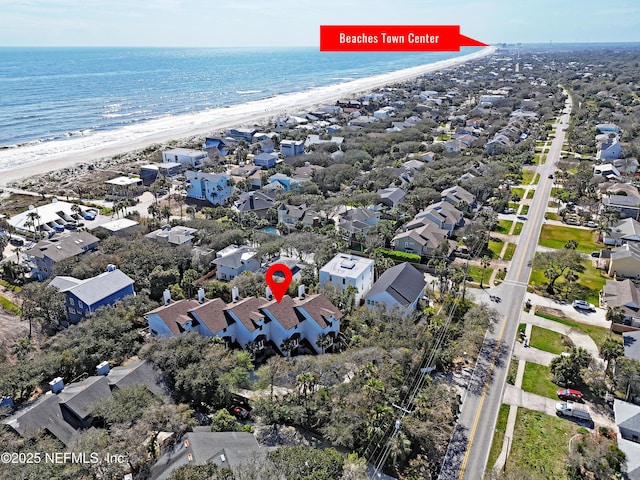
215 23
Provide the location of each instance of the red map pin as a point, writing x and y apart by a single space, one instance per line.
278 288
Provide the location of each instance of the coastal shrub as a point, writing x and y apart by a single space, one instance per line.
398 256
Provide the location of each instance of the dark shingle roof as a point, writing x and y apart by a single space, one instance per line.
141 372
403 282
80 397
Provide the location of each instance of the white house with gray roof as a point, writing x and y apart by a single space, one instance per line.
233 260
399 287
627 417
345 270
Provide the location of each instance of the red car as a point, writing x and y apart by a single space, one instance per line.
240 412
568 394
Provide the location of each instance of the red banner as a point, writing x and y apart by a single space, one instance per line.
394 38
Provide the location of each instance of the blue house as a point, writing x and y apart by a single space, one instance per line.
265 160
292 148
215 188
85 296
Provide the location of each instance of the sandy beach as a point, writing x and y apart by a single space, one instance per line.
67 153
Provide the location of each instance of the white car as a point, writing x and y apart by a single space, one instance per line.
583 305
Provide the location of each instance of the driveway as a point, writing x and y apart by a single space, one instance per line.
596 318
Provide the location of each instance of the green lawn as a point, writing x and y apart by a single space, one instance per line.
527 176
518 228
508 253
551 215
514 205
598 334
495 248
517 191
531 193
537 379
546 340
541 444
9 307
556 236
475 273
498 436
588 286
512 372
553 204
536 179
503 226
525 210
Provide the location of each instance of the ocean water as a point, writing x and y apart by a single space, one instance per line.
57 94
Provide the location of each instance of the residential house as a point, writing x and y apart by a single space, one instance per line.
262 322
498 144
219 146
123 188
316 140
149 173
215 188
233 260
624 205
288 183
459 198
391 197
292 148
626 166
424 241
443 214
122 227
607 170
453 145
624 295
242 134
265 160
625 261
256 202
358 221
292 214
67 410
400 286
174 235
627 230
251 174
228 450
345 270
305 173
83 297
46 254
608 149
187 157
415 165
627 417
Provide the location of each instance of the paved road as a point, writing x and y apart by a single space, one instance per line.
468 450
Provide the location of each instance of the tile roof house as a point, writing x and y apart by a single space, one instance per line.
45 254
400 286
262 322
627 416
625 295
233 260
85 296
423 240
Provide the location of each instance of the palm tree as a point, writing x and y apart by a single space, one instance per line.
287 346
485 261
615 315
22 347
399 449
324 340
34 216
77 210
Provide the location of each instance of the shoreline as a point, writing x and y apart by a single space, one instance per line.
209 121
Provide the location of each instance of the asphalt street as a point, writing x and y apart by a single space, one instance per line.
468 450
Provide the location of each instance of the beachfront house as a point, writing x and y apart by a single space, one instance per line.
83 297
292 148
215 188
187 157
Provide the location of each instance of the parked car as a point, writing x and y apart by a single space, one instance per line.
509 210
591 224
584 305
16 242
521 217
89 216
240 412
569 394
572 409
571 221
595 254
